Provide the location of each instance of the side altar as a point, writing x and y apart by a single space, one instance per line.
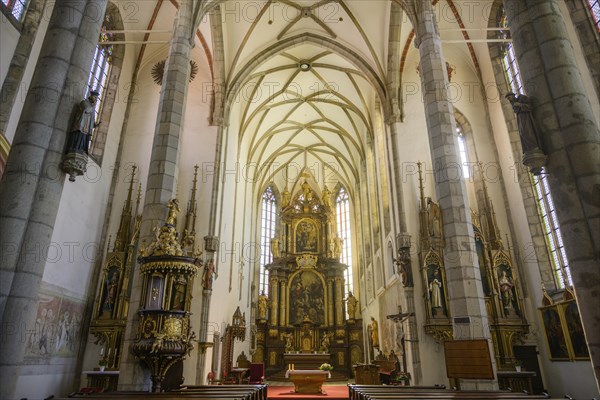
303 320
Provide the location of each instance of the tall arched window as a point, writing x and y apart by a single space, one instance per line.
342 208
16 8
99 74
558 257
462 150
267 232
595 8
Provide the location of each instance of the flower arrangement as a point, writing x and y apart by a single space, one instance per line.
326 367
402 376
518 363
103 362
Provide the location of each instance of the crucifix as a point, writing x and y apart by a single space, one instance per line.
399 319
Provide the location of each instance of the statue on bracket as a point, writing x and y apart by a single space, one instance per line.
351 306
531 142
436 291
435 219
209 271
262 306
275 248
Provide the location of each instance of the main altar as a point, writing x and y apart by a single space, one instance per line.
303 320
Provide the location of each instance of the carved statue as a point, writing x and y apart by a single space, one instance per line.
173 207
434 219
158 343
209 271
307 192
351 305
275 247
326 341
285 198
326 197
111 292
289 342
84 122
262 306
530 137
506 286
337 246
374 328
435 289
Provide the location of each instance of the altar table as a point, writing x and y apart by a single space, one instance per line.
308 380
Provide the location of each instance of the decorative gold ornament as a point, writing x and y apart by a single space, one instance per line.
158 70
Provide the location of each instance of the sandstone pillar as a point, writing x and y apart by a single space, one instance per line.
32 184
163 169
572 142
464 284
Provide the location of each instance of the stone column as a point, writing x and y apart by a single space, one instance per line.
32 185
460 259
162 171
571 140
330 302
283 303
14 77
274 289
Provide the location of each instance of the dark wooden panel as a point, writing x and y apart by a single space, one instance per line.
468 359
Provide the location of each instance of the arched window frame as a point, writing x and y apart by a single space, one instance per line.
595 11
342 210
14 9
268 228
107 99
99 76
543 197
462 150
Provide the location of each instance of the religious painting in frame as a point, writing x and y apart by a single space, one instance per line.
110 287
306 297
483 262
555 335
306 236
579 349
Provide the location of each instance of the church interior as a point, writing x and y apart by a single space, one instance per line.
224 192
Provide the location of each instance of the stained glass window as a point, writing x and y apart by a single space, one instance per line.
342 207
267 232
16 8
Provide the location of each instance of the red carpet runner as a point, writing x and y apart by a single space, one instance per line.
287 393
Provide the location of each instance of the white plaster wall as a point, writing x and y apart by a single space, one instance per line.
5 58
10 38
74 248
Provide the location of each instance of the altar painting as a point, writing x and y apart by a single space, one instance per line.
307 298
575 330
306 236
555 335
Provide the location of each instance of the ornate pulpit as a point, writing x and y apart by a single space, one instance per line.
164 334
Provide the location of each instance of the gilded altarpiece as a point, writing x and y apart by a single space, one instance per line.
112 299
500 283
306 320
433 272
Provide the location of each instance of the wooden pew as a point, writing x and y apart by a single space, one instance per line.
355 390
376 392
202 392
